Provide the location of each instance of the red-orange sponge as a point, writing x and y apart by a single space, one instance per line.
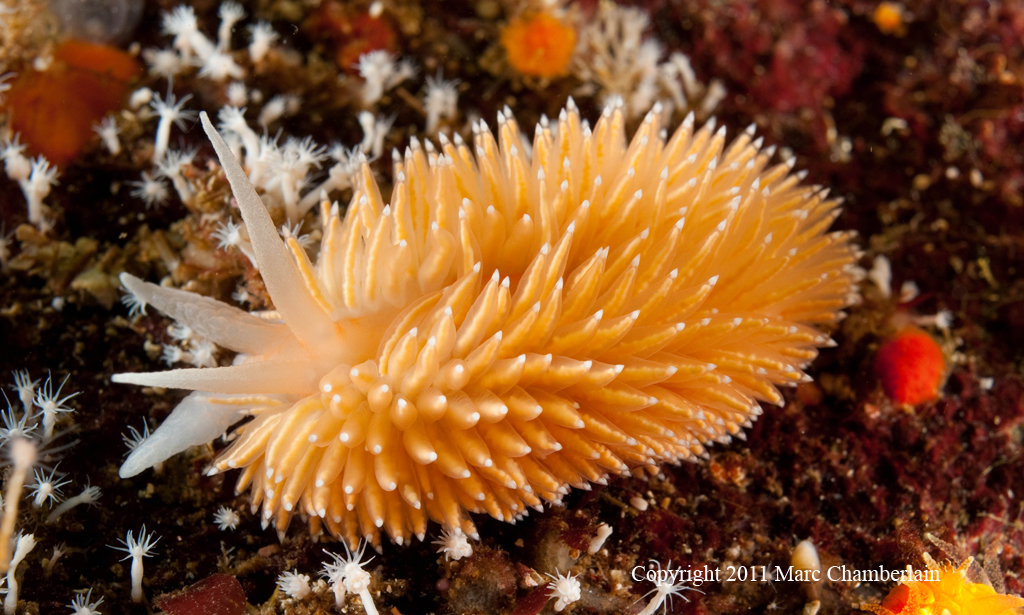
944 589
540 45
54 110
911 367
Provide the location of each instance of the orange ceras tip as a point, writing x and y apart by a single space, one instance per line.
539 45
944 589
911 367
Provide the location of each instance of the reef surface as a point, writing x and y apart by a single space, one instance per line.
912 115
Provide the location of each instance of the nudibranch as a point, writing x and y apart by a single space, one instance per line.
516 321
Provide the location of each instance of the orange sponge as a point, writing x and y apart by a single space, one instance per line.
944 589
911 366
54 110
539 45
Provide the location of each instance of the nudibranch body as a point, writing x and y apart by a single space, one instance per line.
516 321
